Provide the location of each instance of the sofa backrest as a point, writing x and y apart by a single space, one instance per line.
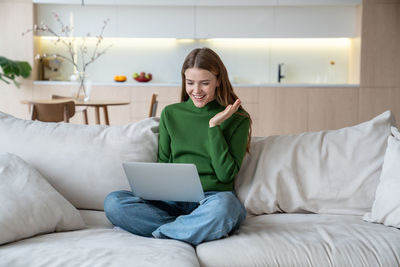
333 171
82 162
325 172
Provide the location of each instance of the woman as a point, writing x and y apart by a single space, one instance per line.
210 129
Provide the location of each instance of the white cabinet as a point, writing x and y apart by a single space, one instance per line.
316 21
125 21
163 22
208 21
276 22
234 22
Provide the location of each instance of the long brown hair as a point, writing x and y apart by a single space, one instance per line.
207 59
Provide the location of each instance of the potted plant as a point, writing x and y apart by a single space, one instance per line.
10 69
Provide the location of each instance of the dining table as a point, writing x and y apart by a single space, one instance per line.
95 103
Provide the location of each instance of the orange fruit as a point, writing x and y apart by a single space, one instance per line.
120 78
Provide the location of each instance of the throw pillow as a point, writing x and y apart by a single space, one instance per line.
395 132
386 207
82 162
333 172
29 205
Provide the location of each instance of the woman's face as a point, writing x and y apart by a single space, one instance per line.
200 86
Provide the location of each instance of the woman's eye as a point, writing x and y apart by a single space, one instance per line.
205 83
189 83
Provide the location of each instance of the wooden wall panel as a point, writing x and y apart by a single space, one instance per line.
250 101
381 2
374 101
332 108
380 59
248 94
283 110
380 53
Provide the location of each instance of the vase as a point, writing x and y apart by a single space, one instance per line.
82 87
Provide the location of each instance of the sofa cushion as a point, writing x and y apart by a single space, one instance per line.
83 162
334 172
97 246
95 219
386 207
305 240
29 205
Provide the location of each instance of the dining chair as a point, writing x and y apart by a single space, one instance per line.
52 112
153 105
82 109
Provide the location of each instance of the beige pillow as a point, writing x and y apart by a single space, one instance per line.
82 162
386 207
29 205
333 172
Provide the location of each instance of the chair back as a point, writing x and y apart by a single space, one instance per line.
53 112
82 109
153 105
61 97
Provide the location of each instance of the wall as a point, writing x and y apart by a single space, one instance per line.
380 58
16 17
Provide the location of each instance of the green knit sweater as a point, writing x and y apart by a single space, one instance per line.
217 152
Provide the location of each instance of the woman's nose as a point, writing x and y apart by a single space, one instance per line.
196 87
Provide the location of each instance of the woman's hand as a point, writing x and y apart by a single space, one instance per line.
224 115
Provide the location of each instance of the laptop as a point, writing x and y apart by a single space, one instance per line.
164 181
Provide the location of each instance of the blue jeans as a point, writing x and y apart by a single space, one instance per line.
217 215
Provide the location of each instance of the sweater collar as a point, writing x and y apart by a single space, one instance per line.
210 106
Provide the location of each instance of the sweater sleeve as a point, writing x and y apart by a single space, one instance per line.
164 140
227 155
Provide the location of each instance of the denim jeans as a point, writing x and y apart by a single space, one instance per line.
217 215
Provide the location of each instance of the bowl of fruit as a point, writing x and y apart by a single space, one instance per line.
142 77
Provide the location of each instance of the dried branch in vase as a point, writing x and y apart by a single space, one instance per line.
68 41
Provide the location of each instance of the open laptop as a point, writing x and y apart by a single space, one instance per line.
164 181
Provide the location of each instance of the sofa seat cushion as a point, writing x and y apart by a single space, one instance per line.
95 219
98 245
305 240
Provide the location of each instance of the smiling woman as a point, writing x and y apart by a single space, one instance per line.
210 129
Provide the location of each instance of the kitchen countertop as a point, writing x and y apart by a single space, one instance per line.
151 84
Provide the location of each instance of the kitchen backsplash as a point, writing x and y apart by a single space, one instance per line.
311 60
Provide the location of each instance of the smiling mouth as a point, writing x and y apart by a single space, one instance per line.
198 97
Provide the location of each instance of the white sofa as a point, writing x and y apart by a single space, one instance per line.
305 194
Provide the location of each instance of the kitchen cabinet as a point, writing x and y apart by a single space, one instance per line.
125 21
208 21
277 22
234 22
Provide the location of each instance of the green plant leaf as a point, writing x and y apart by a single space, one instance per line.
12 69
24 68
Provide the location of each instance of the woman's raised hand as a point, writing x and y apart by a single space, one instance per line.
224 115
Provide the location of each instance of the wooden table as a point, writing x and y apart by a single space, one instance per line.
96 103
